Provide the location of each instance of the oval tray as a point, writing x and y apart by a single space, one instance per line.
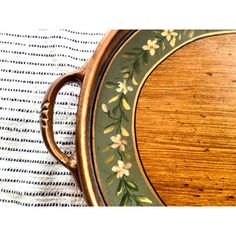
125 155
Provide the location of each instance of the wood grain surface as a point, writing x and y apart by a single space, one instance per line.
186 124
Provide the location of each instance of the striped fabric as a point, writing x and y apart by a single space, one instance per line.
29 63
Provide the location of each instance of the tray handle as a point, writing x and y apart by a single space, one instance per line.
46 118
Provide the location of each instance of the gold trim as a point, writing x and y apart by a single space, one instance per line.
89 187
87 176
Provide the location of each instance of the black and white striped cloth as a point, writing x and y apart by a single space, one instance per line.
29 62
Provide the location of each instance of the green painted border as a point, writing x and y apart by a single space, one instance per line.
118 169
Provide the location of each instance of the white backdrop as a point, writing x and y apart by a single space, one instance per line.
29 62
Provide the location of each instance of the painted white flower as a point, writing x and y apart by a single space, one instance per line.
151 46
169 34
118 142
123 88
104 108
121 169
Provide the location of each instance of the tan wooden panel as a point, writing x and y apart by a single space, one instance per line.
186 124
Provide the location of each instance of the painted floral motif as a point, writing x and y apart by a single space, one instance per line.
118 143
170 36
121 169
104 108
151 46
123 88
118 109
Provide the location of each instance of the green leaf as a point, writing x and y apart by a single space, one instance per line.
104 108
124 201
110 85
120 188
124 132
131 185
137 49
145 58
126 75
134 81
163 46
172 42
113 99
130 179
137 66
125 104
138 203
124 69
109 159
129 55
110 179
106 148
143 199
109 128
157 31
157 38
191 33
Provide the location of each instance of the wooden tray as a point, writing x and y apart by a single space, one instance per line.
156 119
